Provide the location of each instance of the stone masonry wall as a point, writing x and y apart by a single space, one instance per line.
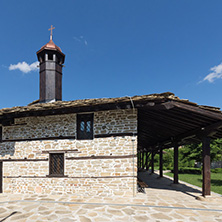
103 176
79 186
117 121
40 127
113 121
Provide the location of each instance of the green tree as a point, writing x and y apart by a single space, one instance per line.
189 154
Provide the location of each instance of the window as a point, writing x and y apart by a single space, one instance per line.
85 126
50 56
56 164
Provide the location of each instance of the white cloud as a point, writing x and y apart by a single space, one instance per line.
25 67
81 39
215 74
77 39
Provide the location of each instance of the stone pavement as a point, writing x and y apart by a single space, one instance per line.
162 202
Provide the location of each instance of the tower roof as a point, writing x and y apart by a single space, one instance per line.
50 46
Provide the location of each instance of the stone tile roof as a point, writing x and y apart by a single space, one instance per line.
163 97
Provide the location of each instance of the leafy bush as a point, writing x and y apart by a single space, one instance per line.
190 170
216 170
167 159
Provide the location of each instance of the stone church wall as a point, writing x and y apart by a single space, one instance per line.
102 166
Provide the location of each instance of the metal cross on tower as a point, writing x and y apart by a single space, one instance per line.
51 31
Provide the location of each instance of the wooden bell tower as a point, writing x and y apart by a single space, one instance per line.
51 61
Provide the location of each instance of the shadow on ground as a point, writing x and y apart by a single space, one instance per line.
155 182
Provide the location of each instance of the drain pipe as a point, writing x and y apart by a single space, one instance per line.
133 140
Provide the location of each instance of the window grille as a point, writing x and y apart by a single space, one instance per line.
85 126
56 164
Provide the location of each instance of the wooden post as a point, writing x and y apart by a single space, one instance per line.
175 169
152 162
206 166
161 162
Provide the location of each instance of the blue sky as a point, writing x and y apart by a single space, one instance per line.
115 48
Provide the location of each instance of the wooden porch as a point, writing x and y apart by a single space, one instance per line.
170 124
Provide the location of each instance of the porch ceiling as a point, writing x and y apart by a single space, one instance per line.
172 121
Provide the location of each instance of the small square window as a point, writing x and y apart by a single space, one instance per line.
56 164
85 126
50 56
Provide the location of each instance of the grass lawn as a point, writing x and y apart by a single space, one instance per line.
216 180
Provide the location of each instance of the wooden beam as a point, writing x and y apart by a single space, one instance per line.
7 122
163 119
41 138
206 166
163 125
114 135
59 151
157 105
66 176
170 116
66 137
100 157
200 131
194 117
205 130
23 160
175 169
209 129
196 109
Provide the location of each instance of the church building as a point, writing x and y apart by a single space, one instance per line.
95 147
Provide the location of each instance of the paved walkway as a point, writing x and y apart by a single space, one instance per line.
162 202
